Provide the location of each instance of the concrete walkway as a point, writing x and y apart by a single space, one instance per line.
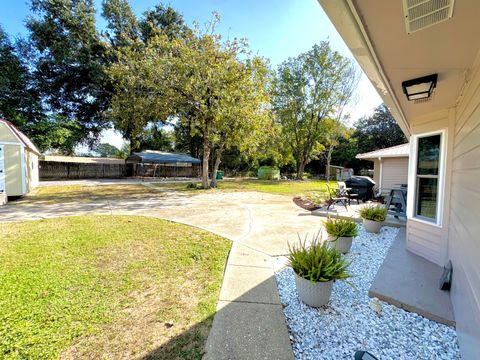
249 323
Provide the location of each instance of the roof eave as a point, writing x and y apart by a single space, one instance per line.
380 156
347 21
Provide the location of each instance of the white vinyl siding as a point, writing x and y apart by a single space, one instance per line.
427 239
395 172
464 229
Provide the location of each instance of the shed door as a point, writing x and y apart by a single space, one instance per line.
2 169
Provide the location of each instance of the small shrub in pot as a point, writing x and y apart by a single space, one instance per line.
316 267
373 217
341 233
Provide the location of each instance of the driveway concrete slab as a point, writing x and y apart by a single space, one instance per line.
242 331
249 323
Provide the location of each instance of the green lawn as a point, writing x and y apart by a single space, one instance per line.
282 187
107 287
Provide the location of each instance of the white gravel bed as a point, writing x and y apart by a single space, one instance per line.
347 323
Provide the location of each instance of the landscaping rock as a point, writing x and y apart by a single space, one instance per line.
348 323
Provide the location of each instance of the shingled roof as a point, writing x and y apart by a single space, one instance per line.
394 151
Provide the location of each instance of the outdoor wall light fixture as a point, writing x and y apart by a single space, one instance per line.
420 88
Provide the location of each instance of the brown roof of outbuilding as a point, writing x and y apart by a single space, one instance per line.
83 160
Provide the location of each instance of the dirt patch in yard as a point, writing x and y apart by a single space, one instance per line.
305 203
87 194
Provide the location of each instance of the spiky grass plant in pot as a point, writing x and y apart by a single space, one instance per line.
341 233
373 217
316 267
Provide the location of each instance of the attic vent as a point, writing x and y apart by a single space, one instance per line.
420 14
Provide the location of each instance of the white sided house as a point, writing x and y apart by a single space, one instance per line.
18 161
390 166
423 58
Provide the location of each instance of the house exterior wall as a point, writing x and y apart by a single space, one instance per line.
456 239
13 170
423 238
395 172
464 227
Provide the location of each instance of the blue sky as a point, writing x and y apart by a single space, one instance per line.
276 29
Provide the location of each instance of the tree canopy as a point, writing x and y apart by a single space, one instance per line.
213 85
310 90
166 86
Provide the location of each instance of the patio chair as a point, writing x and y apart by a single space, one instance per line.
336 198
344 191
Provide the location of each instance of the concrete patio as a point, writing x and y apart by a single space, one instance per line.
411 282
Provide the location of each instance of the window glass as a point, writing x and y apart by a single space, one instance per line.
428 159
427 197
428 155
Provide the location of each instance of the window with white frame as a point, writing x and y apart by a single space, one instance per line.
428 177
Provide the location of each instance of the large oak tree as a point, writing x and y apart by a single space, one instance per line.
213 84
311 90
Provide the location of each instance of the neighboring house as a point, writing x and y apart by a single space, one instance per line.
18 161
398 44
390 166
339 173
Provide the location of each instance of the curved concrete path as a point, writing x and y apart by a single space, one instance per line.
249 323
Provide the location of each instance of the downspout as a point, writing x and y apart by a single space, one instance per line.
380 177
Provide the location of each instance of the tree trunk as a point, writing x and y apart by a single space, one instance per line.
300 169
132 145
218 160
206 157
329 159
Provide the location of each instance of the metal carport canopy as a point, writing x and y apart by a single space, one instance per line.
160 157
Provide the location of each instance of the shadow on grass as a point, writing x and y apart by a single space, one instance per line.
252 326
188 345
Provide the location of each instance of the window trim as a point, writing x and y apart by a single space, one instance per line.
413 179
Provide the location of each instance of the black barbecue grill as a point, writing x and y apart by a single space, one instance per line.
362 186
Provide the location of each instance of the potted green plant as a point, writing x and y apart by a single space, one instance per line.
316 267
341 233
373 217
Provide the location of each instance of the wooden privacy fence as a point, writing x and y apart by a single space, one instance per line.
163 171
50 170
72 170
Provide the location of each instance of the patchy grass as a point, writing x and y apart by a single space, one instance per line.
282 187
107 287
86 193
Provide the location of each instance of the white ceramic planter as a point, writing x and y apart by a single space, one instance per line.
342 244
372 226
313 294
